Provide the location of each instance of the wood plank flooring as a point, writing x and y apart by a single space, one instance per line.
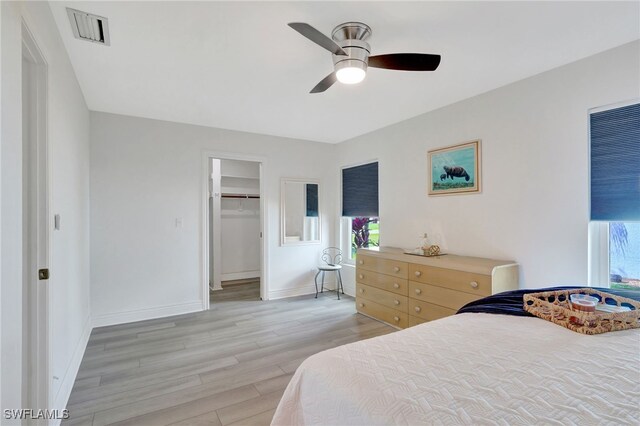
233 291
227 366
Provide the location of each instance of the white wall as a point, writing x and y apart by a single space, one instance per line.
145 174
1 204
240 234
534 202
11 211
69 183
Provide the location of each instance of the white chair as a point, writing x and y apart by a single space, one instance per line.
332 258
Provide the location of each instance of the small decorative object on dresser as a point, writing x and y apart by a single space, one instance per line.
433 250
405 290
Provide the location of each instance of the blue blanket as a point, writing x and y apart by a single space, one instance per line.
511 302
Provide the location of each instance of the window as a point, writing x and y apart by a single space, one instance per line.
614 236
624 255
359 232
360 224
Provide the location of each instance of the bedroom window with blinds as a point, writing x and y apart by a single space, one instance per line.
615 197
360 223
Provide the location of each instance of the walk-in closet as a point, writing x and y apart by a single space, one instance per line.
234 230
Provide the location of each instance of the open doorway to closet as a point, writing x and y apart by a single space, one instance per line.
235 229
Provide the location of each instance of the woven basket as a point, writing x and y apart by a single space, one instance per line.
555 306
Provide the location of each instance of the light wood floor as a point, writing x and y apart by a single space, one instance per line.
227 366
237 290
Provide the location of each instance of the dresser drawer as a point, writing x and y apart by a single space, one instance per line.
383 313
440 296
383 266
415 320
428 311
456 280
384 282
382 297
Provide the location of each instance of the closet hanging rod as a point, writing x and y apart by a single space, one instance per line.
244 196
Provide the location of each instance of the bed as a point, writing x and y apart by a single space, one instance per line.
472 368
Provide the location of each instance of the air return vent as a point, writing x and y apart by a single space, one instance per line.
86 26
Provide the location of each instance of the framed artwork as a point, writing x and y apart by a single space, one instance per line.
454 169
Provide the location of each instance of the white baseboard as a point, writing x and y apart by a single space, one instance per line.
239 275
349 279
62 397
349 288
292 292
147 313
299 291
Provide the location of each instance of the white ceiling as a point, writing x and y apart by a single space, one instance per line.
236 65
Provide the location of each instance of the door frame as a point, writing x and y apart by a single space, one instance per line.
204 221
39 382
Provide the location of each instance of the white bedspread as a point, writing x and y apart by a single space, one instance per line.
473 369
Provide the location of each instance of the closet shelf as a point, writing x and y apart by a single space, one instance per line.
239 190
240 177
239 214
240 196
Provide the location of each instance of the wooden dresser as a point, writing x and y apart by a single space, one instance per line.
405 290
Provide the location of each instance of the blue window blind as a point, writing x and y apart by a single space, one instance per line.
360 191
312 199
615 164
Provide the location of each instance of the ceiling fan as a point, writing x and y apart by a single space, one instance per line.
351 54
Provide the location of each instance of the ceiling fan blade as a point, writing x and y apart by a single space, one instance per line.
406 61
317 37
325 83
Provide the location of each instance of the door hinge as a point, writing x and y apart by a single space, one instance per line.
43 274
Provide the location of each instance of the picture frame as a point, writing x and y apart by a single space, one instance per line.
455 169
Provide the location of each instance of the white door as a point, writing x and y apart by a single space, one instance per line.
37 383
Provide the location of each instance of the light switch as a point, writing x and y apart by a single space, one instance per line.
56 222
178 222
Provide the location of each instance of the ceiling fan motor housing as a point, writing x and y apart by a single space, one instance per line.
351 37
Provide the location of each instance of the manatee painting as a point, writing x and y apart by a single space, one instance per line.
455 171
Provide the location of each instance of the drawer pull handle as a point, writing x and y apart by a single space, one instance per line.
396 319
361 276
418 273
396 285
362 290
397 302
361 305
417 308
473 284
418 291
396 269
361 262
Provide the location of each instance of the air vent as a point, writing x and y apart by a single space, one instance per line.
86 26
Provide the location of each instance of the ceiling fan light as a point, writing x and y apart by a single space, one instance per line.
350 75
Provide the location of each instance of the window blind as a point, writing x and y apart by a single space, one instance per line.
360 191
615 164
312 199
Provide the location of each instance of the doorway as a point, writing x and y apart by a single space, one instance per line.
36 382
235 230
